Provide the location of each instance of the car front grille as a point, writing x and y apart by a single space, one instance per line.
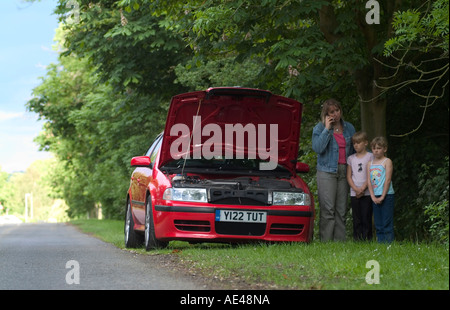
239 229
286 229
238 197
189 225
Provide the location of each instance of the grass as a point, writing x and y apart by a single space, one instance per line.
327 266
110 231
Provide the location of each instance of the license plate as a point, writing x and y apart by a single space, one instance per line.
241 216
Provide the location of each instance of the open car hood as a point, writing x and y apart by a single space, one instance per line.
237 122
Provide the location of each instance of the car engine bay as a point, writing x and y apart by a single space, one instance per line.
236 191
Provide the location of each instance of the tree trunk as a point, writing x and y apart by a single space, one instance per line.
373 107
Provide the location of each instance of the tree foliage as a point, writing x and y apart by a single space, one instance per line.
421 29
35 186
5 193
420 50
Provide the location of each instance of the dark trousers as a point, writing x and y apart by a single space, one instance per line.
383 217
362 218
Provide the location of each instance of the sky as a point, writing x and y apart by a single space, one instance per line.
26 38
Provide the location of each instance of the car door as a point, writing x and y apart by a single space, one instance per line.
140 179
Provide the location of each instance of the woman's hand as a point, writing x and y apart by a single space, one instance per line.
329 120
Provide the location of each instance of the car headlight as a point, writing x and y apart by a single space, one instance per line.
185 194
290 198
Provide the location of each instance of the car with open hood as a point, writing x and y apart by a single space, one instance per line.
223 170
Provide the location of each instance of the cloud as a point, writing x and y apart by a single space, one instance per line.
18 149
46 49
4 116
41 66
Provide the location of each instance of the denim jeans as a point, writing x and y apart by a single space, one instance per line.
383 216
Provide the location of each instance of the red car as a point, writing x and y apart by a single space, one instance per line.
224 170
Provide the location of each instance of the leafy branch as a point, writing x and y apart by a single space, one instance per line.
424 36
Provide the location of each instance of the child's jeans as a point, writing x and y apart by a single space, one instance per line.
383 216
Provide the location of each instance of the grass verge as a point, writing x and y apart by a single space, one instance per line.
334 265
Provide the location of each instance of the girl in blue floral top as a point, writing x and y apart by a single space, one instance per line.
381 190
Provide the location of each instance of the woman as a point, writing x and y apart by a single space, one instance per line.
331 141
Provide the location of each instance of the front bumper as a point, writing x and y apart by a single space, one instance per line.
199 223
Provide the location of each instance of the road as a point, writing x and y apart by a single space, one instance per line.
57 256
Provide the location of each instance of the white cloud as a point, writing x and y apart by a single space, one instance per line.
4 116
18 150
46 49
41 66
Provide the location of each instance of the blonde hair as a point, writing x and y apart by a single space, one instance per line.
360 136
326 105
380 141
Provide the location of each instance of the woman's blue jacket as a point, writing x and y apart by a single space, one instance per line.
326 147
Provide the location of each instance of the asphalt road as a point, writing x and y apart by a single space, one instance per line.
57 256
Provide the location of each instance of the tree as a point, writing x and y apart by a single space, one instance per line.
420 49
34 181
62 91
127 44
5 193
312 49
103 103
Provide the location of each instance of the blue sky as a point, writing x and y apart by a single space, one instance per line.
26 39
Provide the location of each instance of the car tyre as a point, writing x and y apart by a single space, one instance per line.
132 238
150 240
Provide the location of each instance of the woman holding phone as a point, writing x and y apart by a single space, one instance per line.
332 141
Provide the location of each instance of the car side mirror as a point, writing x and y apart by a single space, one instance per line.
302 167
141 161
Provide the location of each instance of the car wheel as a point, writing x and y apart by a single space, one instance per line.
150 240
132 238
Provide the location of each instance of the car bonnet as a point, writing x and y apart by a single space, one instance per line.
222 116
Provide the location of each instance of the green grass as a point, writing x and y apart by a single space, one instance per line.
329 265
110 231
340 265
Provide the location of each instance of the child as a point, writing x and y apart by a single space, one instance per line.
381 190
359 193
